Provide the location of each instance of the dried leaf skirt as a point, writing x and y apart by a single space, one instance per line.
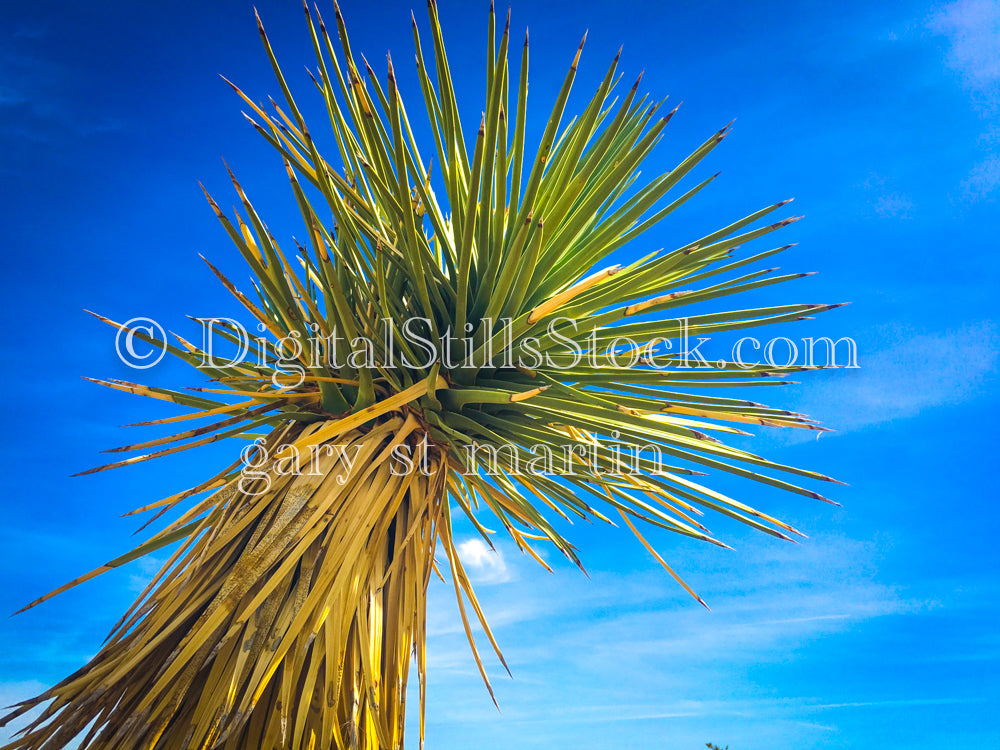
286 619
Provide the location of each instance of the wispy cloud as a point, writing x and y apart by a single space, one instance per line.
775 597
973 31
37 99
914 373
972 28
887 203
145 569
631 647
15 692
983 180
894 205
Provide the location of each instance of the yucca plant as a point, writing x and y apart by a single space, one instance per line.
288 614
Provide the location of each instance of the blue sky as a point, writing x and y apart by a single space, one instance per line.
879 118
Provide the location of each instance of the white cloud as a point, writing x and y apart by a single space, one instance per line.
973 31
483 564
